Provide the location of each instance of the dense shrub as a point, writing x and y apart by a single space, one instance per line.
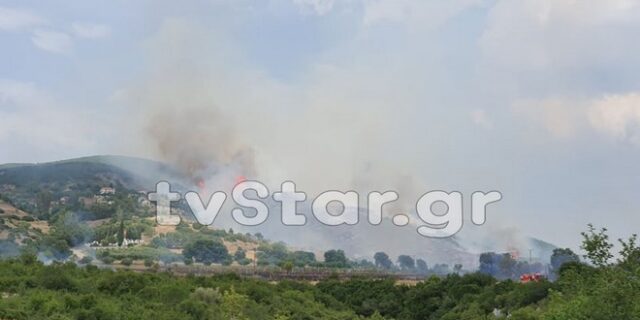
605 289
207 252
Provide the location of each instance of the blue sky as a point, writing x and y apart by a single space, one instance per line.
538 99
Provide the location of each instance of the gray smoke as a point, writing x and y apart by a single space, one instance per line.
335 130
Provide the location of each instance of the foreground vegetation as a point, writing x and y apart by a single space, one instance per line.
603 289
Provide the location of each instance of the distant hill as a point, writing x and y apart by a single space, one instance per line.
62 173
128 171
26 185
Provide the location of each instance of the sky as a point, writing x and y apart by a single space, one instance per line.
537 99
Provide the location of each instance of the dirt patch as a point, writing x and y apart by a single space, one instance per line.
81 252
11 210
97 223
43 226
158 229
248 247
408 282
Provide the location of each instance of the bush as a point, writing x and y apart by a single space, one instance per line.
127 261
239 254
107 259
86 260
57 279
141 253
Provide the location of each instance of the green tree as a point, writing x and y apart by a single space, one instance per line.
597 246
69 228
206 251
287 266
382 260
121 233
234 305
630 253
302 258
335 258
562 256
406 262
421 265
507 266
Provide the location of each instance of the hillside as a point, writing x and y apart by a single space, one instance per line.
35 187
128 171
83 208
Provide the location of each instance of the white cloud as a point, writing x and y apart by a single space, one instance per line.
480 118
617 116
90 30
562 118
16 19
540 34
52 41
14 94
417 14
29 114
319 7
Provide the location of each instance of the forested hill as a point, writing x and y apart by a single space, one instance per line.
32 187
130 172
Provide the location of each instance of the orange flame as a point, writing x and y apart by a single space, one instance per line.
240 179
